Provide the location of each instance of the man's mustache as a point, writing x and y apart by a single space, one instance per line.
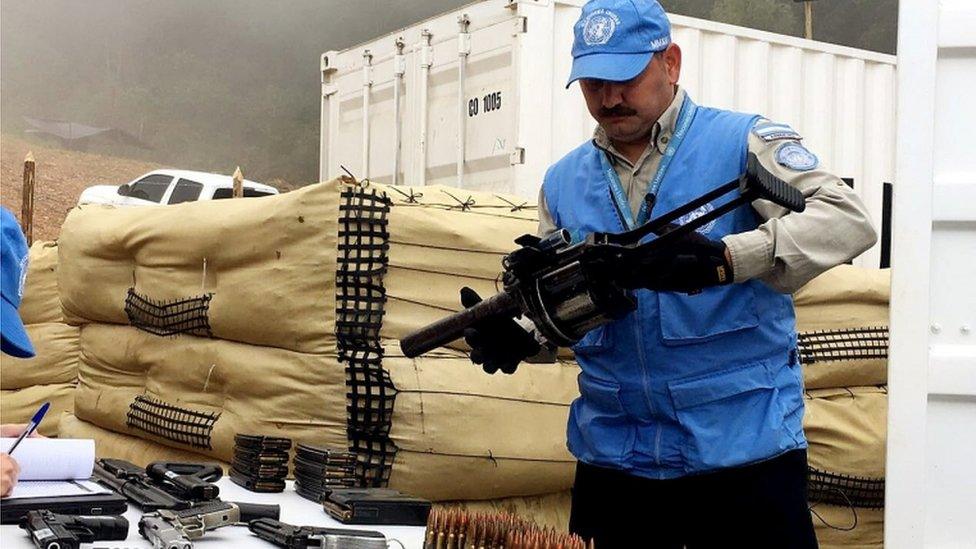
619 110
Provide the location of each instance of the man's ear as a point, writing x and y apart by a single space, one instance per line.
672 63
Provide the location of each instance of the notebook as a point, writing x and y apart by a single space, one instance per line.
53 458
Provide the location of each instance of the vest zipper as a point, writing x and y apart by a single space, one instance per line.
644 376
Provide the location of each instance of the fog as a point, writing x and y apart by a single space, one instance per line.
214 84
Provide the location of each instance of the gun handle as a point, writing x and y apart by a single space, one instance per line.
452 327
109 528
192 480
254 511
271 530
760 182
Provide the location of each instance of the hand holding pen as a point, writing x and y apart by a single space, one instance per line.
9 468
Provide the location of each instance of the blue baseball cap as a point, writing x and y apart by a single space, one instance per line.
13 274
615 39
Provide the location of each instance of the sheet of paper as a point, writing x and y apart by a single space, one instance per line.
55 488
53 458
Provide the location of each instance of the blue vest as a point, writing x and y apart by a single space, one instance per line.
685 383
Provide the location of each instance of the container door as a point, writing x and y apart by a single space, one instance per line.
436 100
931 491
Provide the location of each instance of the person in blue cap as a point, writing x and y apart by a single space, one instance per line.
13 338
689 426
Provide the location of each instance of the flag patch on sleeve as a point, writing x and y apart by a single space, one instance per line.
771 131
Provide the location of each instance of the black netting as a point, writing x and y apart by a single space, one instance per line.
360 298
850 344
171 422
845 490
167 318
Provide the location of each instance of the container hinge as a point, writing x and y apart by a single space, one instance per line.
520 25
327 64
517 156
329 89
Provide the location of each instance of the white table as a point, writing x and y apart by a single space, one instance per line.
295 510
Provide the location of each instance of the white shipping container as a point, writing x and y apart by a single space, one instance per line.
931 491
476 98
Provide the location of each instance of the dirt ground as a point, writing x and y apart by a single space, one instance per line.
60 177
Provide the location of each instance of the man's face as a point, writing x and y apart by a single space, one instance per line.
628 110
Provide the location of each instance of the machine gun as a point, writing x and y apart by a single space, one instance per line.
566 289
312 537
139 487
132 481
53 531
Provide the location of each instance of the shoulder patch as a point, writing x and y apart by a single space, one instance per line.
771 131
796 157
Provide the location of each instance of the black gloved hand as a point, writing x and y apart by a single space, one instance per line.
690 264
497 344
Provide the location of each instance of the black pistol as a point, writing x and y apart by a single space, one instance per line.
53 531
302 537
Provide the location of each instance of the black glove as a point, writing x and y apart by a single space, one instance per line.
499 343
690 264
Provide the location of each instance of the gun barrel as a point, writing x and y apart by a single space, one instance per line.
446 330
161 534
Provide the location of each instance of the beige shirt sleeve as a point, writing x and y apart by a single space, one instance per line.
790 249
547 225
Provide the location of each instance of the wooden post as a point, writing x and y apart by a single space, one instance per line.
808 17
238 183
27 199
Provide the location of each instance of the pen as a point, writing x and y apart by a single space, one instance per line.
34 422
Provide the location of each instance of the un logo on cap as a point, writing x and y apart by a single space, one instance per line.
599 27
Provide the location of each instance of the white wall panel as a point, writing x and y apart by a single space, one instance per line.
931 494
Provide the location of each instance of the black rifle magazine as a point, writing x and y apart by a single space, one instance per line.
253 484
375 506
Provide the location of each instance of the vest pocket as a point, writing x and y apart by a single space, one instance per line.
688 319
730 418
593 342
604 428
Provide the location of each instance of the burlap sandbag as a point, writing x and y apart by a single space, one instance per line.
56 360
842 320
50 375
441 239
195 393
109 444
41 303
19 405
269 264
463 434
846 430
843 527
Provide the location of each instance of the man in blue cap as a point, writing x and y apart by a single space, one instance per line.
13 337
688 430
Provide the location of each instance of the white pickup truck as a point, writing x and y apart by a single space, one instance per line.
171 187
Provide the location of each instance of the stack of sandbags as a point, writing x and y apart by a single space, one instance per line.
842 320
51 375
280 316
207 319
